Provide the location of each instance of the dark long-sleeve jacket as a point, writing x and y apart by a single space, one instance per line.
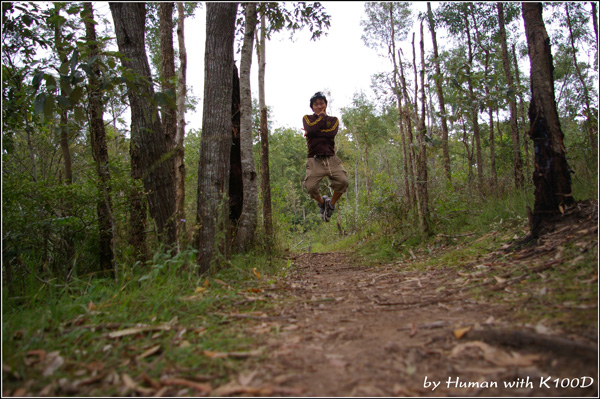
320 134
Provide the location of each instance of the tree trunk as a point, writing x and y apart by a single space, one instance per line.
236 186
419 125
514 131
149 148
522 107
409 137
265 183
99 151
247 223
422 164
474 109
213 166
179 167
167 69
440 94
551 177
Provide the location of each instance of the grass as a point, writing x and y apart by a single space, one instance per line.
184 316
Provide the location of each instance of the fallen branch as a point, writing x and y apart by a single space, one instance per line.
548 343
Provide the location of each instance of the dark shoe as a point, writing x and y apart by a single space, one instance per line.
323 208
328 210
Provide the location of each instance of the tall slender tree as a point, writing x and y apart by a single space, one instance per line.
512 101
440 93
99 149
150 161
213 166
179 150
551 177
247 223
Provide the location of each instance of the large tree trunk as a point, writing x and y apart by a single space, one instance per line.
512 101
551 177
149 148
265 182
99 151
440 94
179 166
213 166
247 222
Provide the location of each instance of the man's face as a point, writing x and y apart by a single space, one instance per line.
319 106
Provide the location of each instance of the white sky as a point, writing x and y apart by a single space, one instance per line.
295 70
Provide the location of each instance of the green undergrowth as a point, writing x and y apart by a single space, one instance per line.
174 323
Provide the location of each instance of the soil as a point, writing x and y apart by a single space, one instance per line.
346 329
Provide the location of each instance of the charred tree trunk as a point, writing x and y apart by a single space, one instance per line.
213 166
551 177
99 151
149 149
247 223
236 186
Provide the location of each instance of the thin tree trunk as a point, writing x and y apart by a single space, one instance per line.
514 131
149 148
100 152
595 21
265 183
522 107
213 166
247 223
440 94
474 108
409 137
551 178
179 167
422 164
417 157
167 66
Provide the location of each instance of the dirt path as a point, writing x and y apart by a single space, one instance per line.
349 330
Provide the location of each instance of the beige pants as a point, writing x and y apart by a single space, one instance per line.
318 168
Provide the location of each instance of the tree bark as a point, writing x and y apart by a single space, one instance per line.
247 222
440 94
551 177
99 151
474 107
512 102
149 149
179 167
265 182
167 69
409 137
213 166
422 164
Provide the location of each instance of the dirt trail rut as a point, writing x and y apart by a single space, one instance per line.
351 330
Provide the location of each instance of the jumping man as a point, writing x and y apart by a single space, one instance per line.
320 130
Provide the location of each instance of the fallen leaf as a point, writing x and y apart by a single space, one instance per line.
91 306
500 279
207 283
256 273
136 330
460 332
199 290
413 330
52 363
149 352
